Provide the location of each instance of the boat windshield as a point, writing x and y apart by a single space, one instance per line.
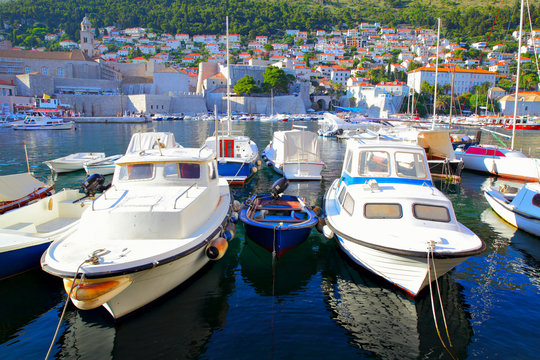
136 172
182 170
410 165
374 163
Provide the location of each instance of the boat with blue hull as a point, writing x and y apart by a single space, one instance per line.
278 223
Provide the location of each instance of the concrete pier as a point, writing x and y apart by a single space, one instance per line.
109 119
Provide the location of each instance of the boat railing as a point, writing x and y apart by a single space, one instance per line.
182 194
113 205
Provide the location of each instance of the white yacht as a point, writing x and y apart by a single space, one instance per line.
42 122
295 154
164 217
388 217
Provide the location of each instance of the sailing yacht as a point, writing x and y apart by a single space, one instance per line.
502 161
236 154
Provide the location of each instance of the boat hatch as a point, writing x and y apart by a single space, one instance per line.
226 148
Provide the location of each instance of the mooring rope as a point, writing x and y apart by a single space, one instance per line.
94 258
431 247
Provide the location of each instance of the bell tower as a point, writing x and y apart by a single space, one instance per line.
87 37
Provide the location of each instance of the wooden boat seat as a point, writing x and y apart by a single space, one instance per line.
23 226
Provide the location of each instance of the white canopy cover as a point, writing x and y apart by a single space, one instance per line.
297 145
149 140
16 186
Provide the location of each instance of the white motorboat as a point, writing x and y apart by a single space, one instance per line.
385 189
500 161
73 162
295 154
103 166
42 122
26 232
165 216
519 208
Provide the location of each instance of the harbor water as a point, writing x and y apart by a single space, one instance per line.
313 303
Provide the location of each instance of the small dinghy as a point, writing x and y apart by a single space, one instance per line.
278 222
73 162
518 207
103 166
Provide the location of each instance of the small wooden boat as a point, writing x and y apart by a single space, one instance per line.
18 190
101 166
26 233
73 162
278 222
520 208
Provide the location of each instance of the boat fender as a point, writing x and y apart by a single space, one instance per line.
50 204
254 169
236 205
320 225
317 210
328 233
234 217
229 232
217 248
268 163
259 162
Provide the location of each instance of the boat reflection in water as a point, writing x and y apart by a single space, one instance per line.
176 326
384 324
288 275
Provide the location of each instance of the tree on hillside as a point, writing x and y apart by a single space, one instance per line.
277 79
246 85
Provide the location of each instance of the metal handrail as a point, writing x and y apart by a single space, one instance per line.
113 205
185 191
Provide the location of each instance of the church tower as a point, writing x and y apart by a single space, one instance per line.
87 37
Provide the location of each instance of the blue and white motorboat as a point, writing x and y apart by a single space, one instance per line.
26 232
520 208
237 157
236 154
295 154
278 222
103 166
388 216
164 218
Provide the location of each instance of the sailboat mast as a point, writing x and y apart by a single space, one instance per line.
517 77
436 73
452 96
228 81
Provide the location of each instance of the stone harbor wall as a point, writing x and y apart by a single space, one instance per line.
117 105
290 104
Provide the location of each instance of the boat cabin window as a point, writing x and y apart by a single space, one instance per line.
536 200
348 204
136 172
374 163
410 165
182 170
348 162
342 194
212 170
383 211
431 213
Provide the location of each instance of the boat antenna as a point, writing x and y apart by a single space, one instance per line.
217 131
228 81
436 73
517 77
26 154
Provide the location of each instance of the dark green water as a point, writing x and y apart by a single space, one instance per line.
317 305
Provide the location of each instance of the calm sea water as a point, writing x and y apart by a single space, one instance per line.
315 303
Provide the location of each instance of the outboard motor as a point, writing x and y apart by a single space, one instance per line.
279 187
94 184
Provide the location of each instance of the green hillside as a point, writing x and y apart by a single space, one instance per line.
464 19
